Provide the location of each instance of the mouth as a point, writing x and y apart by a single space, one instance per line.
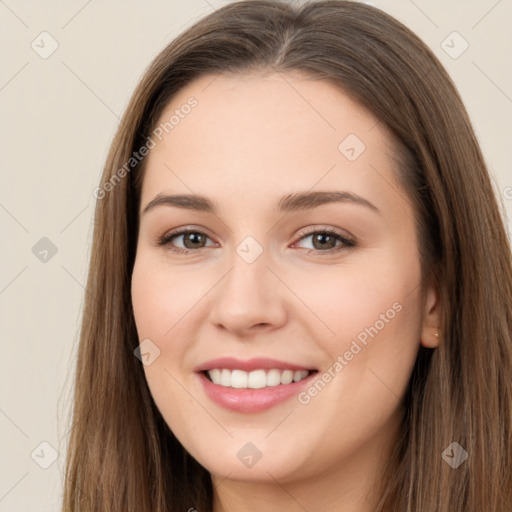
256 379
254 385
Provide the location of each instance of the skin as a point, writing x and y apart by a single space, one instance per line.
249 141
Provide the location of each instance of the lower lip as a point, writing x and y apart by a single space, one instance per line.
252 400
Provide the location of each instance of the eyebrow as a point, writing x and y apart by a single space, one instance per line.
292 202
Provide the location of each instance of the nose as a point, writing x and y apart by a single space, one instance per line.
249 298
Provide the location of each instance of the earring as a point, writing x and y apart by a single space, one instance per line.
436 335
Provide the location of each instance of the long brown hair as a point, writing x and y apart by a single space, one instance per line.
122 457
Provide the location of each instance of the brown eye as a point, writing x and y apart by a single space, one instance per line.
324 241
191 240
327 241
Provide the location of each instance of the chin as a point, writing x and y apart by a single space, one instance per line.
248 461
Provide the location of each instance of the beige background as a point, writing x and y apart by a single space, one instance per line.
58 117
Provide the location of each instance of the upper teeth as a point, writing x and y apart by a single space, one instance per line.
256 379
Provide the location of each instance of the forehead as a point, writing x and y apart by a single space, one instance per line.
267 133
292 105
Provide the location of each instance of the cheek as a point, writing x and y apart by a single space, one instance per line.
166 305
157 309
158 305
376 319
369 332
159 298
362 301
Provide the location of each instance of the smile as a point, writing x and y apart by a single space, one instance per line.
256 379
254 385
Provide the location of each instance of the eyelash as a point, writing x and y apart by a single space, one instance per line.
346 243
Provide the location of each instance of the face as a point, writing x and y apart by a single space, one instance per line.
300 263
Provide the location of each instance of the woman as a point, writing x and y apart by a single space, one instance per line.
300 285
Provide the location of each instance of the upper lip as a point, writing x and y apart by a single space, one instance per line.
248 365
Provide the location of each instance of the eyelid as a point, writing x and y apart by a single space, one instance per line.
324 229
346 241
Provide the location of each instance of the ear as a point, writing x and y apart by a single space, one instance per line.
430 335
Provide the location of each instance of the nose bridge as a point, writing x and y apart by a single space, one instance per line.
248 295
248 279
